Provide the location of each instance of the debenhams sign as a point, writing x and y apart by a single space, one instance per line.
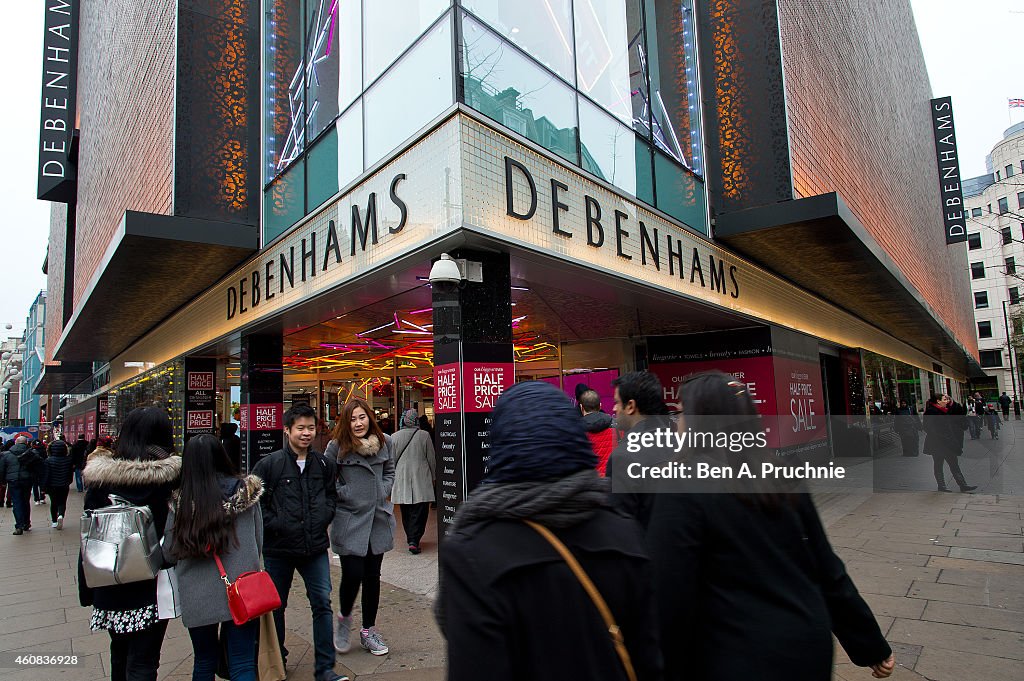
57 175
954 217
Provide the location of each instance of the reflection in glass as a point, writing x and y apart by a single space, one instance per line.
607 147
322 170
673 78
504 85
321 65
284 202
680 194
391 26
541 27
413 92
350 144
283 63
602 55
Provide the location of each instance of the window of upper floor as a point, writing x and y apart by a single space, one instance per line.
974 241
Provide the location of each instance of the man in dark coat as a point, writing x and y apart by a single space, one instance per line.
944 440
639 409
78 452
907 425
298 504
56 479
1004 403
232 443
505 594
18 467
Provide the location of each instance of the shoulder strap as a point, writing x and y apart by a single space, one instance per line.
220 568
595 595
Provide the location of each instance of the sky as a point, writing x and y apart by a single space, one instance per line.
972 50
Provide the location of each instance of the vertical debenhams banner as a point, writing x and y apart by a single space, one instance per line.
953 215
57 173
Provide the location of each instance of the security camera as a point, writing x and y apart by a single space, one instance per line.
445 271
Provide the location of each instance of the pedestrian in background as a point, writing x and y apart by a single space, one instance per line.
414 478
599 429
78 456
145 472
232 443
746 582
298 506
1004 403
508 605
975 415
56 480
19 467
104 447
5 492
907 425
993 422
222 519
39 449
364 523
944 440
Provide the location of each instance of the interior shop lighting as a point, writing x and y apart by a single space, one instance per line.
415 326
374 330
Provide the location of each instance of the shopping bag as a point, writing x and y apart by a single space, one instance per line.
168 602
269 663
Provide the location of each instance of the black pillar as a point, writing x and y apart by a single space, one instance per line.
262 397
473 364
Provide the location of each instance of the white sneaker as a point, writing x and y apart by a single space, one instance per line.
60 522
53 525
373 641
343 634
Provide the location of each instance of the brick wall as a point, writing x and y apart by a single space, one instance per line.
55 278
126 114
857 94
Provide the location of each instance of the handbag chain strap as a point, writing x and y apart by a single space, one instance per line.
220 568
595 595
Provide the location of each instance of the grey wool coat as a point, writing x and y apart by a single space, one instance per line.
364 520
202 592
414 466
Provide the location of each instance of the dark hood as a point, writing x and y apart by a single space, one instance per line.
597 421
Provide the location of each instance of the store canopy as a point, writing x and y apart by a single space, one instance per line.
155 265
819 244
62 378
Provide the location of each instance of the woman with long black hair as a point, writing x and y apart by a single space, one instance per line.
746 582
364 520
145 471
216 512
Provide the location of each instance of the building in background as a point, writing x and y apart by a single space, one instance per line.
995 256
34 407
623 184
11 354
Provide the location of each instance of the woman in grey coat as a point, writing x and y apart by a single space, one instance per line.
364 520
414 477
225 519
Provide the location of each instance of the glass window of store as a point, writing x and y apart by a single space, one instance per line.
316 70
610 85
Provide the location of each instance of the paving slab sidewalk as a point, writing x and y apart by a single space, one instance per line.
944 574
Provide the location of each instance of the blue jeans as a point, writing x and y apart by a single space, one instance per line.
22 512
241 650
78 479
316 574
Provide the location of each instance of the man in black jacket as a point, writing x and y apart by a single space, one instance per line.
639 408
18 467
298 504
78 451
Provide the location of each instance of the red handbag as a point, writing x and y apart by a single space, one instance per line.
251 595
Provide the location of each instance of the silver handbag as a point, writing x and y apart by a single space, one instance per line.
119 544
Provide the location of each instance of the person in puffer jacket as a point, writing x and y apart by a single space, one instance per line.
56 481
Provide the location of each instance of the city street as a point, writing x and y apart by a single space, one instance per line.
944 574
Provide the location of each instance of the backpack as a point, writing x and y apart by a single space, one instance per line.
119 544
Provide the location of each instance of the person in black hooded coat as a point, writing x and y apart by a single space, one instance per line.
507 602
746 582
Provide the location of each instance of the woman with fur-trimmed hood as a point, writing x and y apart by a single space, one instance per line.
144 471
216 511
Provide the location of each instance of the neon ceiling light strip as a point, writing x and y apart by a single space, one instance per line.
426 309
374 330
415 326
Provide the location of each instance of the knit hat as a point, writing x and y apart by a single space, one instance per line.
536 434
410 419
